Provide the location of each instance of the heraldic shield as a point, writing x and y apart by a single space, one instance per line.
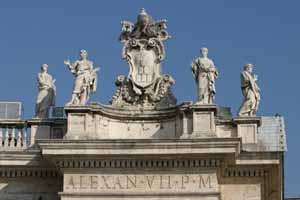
144 63
144 51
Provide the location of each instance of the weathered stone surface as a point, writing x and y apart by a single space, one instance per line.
247 129
210 168
145 86
241 192
33 188
140 182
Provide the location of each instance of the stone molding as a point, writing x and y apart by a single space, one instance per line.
28 172
127 114
46 122
137 163
247 120
20 158
245 172
78 195
204 146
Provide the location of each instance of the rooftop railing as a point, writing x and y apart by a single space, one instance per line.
13 134
21 134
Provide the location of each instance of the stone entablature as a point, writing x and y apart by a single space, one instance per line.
210 163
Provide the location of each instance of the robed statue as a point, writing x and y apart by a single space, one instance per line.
46 95
251 92
205 74
85 79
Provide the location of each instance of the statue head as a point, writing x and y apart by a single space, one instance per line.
248 67
44 68
83 54
143 18
204 52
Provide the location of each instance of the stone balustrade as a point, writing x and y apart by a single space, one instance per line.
22 134
13 134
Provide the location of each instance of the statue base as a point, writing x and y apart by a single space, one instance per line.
98 121
203 121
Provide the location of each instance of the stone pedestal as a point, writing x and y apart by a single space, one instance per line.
107 122
203 120
80 122
40 129
247 129
46 129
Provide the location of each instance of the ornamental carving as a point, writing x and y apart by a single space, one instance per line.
145 85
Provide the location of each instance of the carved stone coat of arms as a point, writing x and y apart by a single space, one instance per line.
143 49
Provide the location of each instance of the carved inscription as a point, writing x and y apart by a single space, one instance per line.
142 183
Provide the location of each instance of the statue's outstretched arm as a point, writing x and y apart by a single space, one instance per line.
71 66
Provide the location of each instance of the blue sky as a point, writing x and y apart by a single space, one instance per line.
265 33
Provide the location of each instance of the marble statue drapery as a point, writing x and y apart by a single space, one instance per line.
205 74
251 92
46 95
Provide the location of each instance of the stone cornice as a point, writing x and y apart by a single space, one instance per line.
30 157
138 194
125 114
247 120
12 122
47 122
136 147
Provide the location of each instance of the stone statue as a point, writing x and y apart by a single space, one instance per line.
205 74
86 79
145 85
46 95
251 92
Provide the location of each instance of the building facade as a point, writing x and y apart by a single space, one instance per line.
143 145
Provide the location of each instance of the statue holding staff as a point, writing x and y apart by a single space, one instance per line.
46 95
205 74
86 79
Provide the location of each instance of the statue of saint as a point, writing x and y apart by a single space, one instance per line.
251 92
86 79
205 74
46 95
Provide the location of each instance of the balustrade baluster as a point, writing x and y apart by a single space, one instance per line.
19 138
6 142
24 144
1 136
13 137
